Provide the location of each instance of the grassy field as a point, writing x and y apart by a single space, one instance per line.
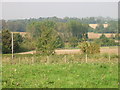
60 71
77 75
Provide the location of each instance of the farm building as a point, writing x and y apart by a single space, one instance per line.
92 35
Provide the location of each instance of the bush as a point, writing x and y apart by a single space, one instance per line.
89 47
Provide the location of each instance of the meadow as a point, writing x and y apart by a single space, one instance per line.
60 71
54 52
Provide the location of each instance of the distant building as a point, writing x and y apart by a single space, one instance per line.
95 25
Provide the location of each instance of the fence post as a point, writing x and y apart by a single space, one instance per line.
65 59
86 58
109 54
32 60
47 59
109 58
19 60
12 45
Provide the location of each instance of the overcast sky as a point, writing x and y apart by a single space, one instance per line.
18 10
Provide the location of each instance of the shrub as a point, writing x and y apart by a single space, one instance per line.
89 47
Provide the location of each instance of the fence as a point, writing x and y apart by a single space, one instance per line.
59 59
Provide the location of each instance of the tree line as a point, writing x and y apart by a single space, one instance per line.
21 24
47 35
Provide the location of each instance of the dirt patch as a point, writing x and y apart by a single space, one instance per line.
68 51
30 52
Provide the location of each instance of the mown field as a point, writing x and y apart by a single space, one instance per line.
110 50
60 71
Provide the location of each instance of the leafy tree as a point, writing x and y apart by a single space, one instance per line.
17 40
73 42
60 42
48 39
6 41
34 28
63 31
78 29
28 40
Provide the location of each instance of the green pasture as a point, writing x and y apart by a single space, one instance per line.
34 71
